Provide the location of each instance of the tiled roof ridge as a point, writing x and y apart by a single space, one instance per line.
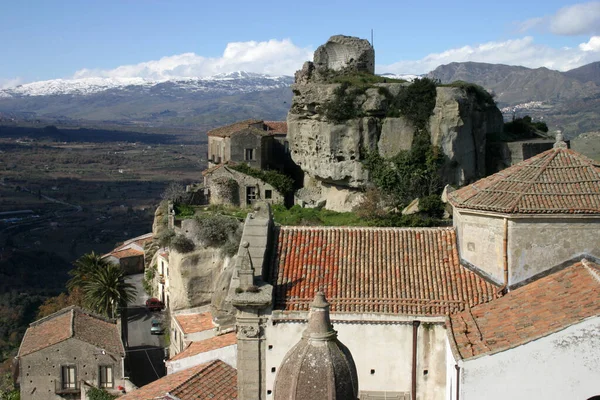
72 309
367 228
592 269
53 315
533 179
196 374
520 189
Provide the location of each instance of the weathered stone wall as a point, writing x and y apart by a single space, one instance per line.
480 242
345 53
534 244
40 370
537 244
500 155
248 139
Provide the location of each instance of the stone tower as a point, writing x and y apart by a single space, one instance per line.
319 367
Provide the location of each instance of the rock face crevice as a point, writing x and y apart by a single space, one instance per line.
330 151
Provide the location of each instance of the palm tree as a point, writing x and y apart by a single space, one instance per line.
85 266
105 289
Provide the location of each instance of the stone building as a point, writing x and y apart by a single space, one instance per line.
130 255
254 142
542 338
542 213
66 353
230 187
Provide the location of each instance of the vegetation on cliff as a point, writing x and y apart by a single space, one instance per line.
281 182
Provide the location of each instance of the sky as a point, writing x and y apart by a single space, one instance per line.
163 39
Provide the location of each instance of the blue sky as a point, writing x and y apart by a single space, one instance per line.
158 39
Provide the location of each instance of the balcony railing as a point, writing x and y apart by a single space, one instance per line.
67 387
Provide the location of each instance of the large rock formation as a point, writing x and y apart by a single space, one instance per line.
330 150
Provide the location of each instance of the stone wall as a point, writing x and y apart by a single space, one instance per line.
249 139
501 155
40 370
535 244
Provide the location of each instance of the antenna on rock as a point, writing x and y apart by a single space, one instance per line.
372 38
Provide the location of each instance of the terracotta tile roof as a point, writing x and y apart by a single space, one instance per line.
72 322
125 253
202 346
276 126
46 334
388 270
557 181
214 380
225 131
192 323
139 240
535 310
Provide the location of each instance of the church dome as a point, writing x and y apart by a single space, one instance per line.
319 367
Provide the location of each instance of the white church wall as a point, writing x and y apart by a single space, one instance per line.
227 354
381 346
536 244
450 373
564 365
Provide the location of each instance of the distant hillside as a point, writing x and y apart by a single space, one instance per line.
184 103
586 73
513 85
565 100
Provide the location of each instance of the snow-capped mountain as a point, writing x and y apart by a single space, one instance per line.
226 83
182 102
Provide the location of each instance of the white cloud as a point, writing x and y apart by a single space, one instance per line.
578 19
521 51
10 82
273 57
592 45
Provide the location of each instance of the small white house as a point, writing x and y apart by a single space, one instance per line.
540 341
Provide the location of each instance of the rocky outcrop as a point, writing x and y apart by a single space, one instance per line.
331 151
331 126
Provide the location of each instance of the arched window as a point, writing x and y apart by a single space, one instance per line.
595 398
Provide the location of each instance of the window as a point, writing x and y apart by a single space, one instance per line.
268 194
69 377
250 195
249 154
105 377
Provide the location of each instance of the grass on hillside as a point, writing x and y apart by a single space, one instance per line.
363 79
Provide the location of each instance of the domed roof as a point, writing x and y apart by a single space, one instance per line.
557 181
319 367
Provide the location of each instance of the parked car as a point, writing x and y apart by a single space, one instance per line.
154 304
156 328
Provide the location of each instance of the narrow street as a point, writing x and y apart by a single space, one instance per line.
145 352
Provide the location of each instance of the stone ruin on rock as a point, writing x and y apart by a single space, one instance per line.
340 54
330 151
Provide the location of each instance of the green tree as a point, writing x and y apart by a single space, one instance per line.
85 266
105 290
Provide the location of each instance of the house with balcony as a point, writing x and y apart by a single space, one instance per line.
66 353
